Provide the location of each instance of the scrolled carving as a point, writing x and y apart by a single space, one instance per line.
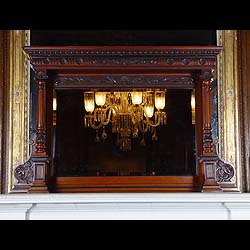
41 75
224 171
208 146
40 141
186 61
79 60
144 60
46 61
40 137
24 173
123 80
64 61
202 61
125 61
206 75
170 61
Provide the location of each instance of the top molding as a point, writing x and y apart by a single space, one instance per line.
82 56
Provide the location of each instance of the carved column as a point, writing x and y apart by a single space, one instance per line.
41 78
209 157
40 158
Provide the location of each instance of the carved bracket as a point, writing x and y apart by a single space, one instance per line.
216 172
24 173
30 175
224 171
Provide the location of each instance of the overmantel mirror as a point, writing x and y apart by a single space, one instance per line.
123 119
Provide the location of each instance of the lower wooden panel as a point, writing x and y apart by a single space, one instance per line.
126 184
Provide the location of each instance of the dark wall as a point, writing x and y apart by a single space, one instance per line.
122 37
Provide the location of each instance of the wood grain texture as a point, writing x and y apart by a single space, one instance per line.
127 184
4 86
1 104
244 64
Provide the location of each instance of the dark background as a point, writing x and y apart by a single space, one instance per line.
122 37
77 153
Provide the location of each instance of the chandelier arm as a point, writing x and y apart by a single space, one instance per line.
105 123
93 125
143 130
148 122
154 125
102 123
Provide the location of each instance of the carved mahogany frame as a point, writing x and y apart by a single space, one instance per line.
182 63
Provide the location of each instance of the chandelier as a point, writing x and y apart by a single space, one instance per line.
130 113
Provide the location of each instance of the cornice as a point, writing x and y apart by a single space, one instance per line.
185 56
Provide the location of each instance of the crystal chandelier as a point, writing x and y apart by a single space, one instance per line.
130 113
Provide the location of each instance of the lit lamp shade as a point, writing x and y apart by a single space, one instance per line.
160 99
100 98
193 101
136 98
54 104
89 103
149 110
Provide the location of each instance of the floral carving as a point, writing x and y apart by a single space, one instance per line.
123 80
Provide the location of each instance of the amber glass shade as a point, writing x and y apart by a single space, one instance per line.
89 103
160 99
100 98
136 97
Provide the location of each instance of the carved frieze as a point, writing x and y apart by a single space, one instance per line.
132 61
124 80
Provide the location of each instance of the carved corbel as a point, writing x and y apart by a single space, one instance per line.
24 173
224 171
